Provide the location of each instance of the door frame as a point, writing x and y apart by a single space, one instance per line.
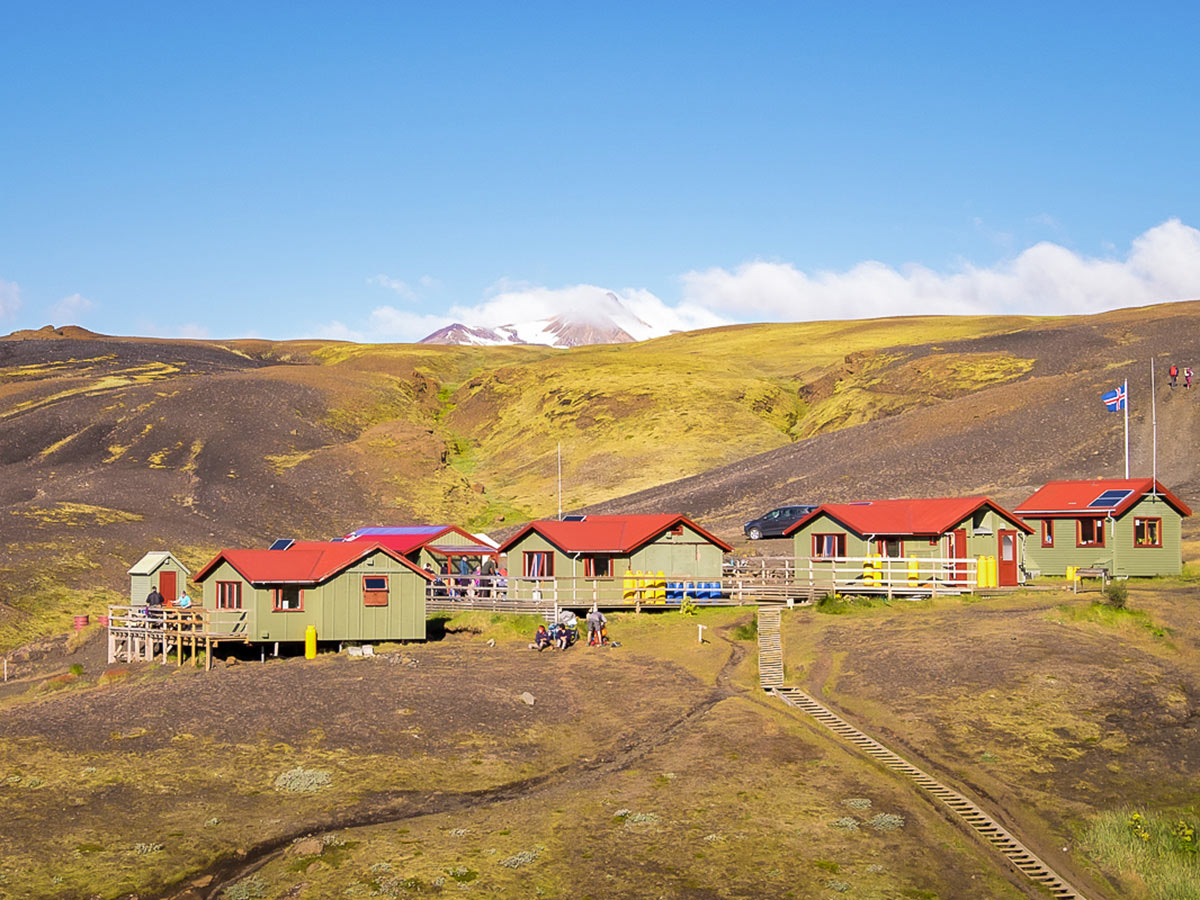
1006 570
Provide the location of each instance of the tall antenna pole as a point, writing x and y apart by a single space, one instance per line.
1154 424
560 480
1126 429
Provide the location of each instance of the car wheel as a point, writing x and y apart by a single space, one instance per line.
754 534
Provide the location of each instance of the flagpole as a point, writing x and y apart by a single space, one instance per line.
1126 429
1154 425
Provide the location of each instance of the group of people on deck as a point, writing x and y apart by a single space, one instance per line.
461 578
564 631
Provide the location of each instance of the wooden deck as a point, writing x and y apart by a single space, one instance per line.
140 633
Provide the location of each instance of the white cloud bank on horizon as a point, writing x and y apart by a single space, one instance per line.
1047 279
1163 264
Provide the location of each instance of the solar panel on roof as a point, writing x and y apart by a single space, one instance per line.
1109 499
282 544
575 517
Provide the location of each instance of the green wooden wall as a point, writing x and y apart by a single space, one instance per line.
335 606
683 557
1119 554
139 585
983 535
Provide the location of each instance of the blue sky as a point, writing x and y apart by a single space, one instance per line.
375 170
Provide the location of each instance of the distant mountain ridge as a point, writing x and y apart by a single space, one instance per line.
609 322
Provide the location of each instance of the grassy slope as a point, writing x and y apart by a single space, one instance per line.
654 785
1066 714
202 445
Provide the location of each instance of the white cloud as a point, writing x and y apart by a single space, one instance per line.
395 285
386 323
10 298
71 310
1163 264
192 330
405 290
517 302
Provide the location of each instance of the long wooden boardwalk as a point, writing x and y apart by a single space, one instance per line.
1004 841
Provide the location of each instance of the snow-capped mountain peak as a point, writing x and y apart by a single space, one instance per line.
608 321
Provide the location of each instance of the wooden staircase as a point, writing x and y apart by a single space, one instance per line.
770 648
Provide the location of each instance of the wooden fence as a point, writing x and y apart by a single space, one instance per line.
743 581
143 632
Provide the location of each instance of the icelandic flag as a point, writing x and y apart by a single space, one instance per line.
1114 399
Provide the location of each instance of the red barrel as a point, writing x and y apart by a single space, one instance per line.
81 622
102 621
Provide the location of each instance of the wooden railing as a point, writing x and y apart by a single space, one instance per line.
743 581
143 632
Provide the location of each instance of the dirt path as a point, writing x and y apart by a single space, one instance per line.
402 806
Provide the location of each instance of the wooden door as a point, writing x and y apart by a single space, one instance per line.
958 546
1006 558
166 585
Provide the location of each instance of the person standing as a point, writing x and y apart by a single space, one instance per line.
595 623
488 581
1173 373
1187 376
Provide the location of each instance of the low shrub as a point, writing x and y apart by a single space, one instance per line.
1116 593
747 631
302 781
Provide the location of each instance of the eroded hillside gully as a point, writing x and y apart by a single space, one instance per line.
401 806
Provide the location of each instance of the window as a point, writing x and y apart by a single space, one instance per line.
229 595
538 564
826 546
287 599
890 548
597 566
1091 533
1047 532
375 590
1147 532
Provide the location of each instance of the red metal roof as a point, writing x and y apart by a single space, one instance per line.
608 534
309 562
923 517
1071 498
415 539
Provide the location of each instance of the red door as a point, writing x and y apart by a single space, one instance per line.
1006 559
166 585
958 550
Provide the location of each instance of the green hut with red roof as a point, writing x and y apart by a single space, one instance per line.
1127 526
924 528
578 552
349 591
432 545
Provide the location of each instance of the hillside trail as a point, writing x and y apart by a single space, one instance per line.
400 806
1178 411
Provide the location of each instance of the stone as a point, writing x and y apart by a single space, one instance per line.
526 698
308 847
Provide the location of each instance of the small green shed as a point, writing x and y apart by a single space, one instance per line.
1128 526
349 591
588 556
157 569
